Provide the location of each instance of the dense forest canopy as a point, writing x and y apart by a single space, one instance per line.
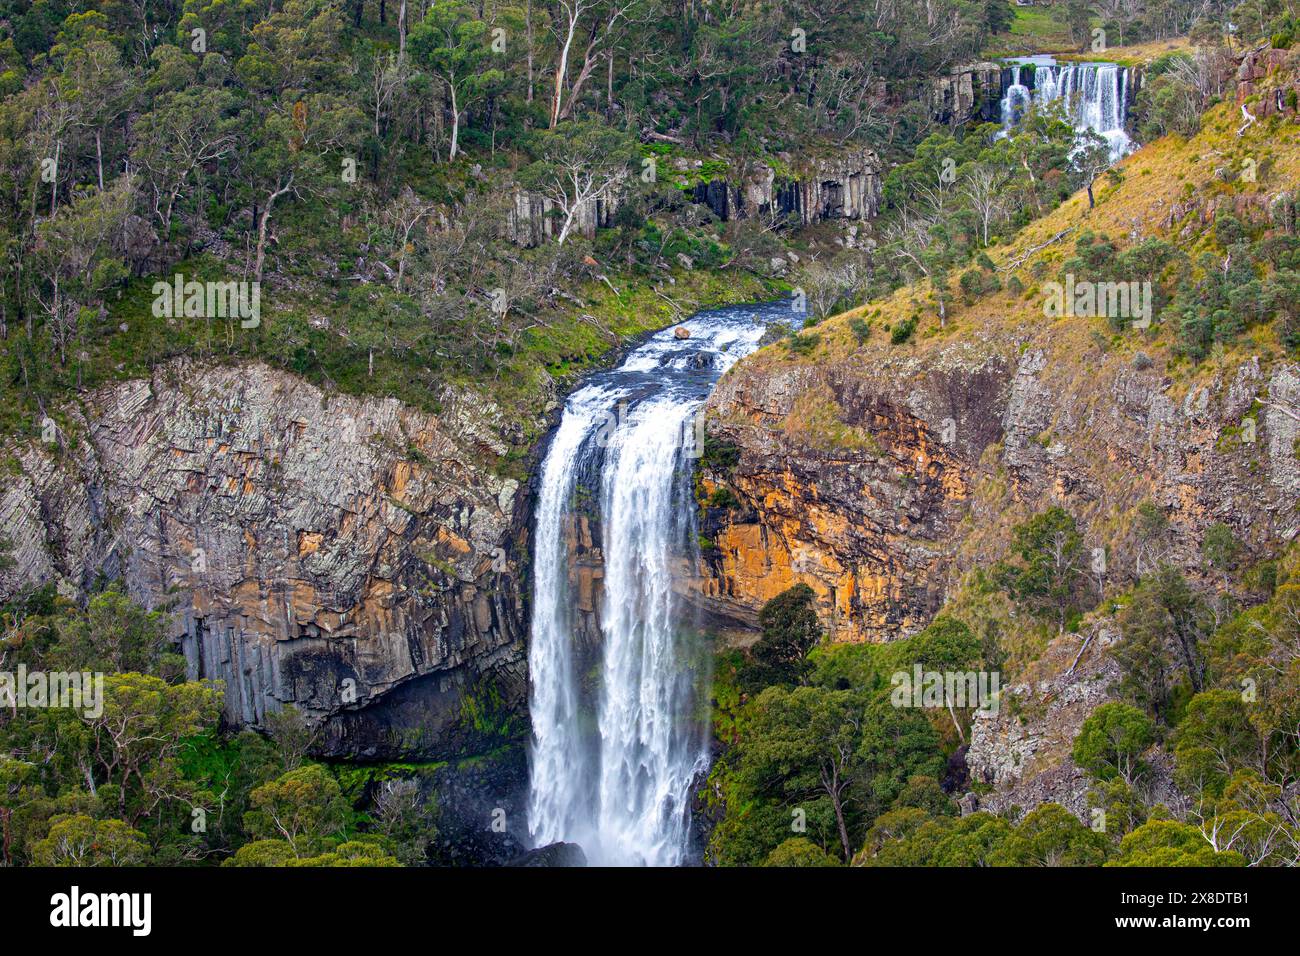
370 152
137 136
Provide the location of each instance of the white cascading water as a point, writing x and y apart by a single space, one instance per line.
1015 101
614 754
1095 96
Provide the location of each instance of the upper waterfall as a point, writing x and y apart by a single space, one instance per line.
1094 95
618 736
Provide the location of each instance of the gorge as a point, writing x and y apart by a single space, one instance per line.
507 533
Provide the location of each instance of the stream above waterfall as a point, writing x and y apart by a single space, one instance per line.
617 669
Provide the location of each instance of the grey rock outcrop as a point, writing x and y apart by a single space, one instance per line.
968 93
1022 750
847 186
532 218
344 555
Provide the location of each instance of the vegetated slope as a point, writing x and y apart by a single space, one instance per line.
1071 407
903 469
883 474
388 182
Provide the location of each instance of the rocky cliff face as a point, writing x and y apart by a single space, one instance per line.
841 187
1022 751
582 538
1270 80
968 93
531 218
847 480
846 186
881 478
352 557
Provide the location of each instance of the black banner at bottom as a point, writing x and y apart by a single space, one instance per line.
344 907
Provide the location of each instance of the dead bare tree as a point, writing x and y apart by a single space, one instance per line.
983 186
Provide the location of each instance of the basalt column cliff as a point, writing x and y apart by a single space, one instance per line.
345 556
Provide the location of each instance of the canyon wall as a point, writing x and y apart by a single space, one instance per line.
881 478
352 557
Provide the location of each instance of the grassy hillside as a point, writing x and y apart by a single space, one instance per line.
1136 54
1170 190
1034 30
1075 437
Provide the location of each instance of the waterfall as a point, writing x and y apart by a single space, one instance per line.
618 734
1016 100
1095 97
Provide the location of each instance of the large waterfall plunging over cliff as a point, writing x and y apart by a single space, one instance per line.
1095 96
618 730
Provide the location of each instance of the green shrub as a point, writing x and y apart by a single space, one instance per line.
902 331
719 455
723 497
860 328
804 343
